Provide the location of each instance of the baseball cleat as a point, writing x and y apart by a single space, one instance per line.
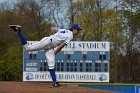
56 84
16 28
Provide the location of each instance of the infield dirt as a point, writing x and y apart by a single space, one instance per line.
37 87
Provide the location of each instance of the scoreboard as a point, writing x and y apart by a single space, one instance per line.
80 61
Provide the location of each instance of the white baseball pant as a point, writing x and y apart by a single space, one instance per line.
46 44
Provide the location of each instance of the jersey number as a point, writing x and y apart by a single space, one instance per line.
62 32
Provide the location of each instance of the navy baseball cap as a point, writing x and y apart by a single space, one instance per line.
76 26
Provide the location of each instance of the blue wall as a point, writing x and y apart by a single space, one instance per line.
115 88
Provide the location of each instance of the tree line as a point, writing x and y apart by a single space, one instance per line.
116 21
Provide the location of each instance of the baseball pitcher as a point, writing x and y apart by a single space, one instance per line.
58 40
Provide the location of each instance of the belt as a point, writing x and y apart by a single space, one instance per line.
51 43
51 39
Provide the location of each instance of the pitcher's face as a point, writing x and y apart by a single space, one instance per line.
75 31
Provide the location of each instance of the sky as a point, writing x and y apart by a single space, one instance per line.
9 1
4 0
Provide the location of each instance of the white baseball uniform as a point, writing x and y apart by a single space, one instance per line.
49 43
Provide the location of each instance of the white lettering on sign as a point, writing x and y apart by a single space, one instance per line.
31 69
31 64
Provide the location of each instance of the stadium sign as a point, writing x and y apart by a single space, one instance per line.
67 76
87 46
80 61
